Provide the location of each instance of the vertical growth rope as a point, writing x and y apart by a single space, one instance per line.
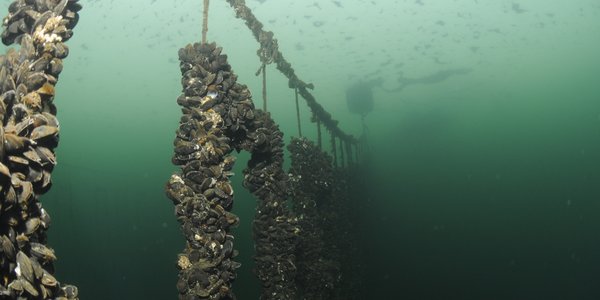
264 86
349 153
269 53
28 136
298 113
210 129
319 133
334 150
205 21
342 153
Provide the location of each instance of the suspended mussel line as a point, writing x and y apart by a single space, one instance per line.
342 161
312 183
298 113
319 133
274 228
202 192
219 116
349 154
28 136
263 70
269 52
334 150
328 250
341 220
264 87
336 215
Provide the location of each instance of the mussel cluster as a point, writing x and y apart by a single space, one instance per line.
312 180
218 117
24 16
275 229
28 136
202 193
342 215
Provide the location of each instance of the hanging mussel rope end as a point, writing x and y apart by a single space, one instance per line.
27 141
219 116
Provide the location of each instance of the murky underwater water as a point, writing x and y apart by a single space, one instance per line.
483 185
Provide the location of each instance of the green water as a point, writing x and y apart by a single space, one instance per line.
485 185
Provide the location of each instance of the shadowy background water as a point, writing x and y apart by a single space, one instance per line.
486 185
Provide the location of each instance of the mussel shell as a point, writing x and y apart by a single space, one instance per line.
33 156
46 181
17 285
41 64
209 79
34 175
43 132
11 196
56 67
51 120
42 252
7 247
228 248
32 225
22 128
30 288
38 271
4 173
25 265
48 279
8 84
61 50
60 7
22 241
46 91
42 19
33 101
26 194
35 81
71 291
21 91
17 162
27 50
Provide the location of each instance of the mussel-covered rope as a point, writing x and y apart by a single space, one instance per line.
202 192
312 178
219 116
275 229
264 86
205 21
319 133
269 52
28 136
349 153
298 113
342 160
334 150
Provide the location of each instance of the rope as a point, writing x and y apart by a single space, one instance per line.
205 21
319 133
264 86
298 113
342 153
349 153
29 133
269 52
334 150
